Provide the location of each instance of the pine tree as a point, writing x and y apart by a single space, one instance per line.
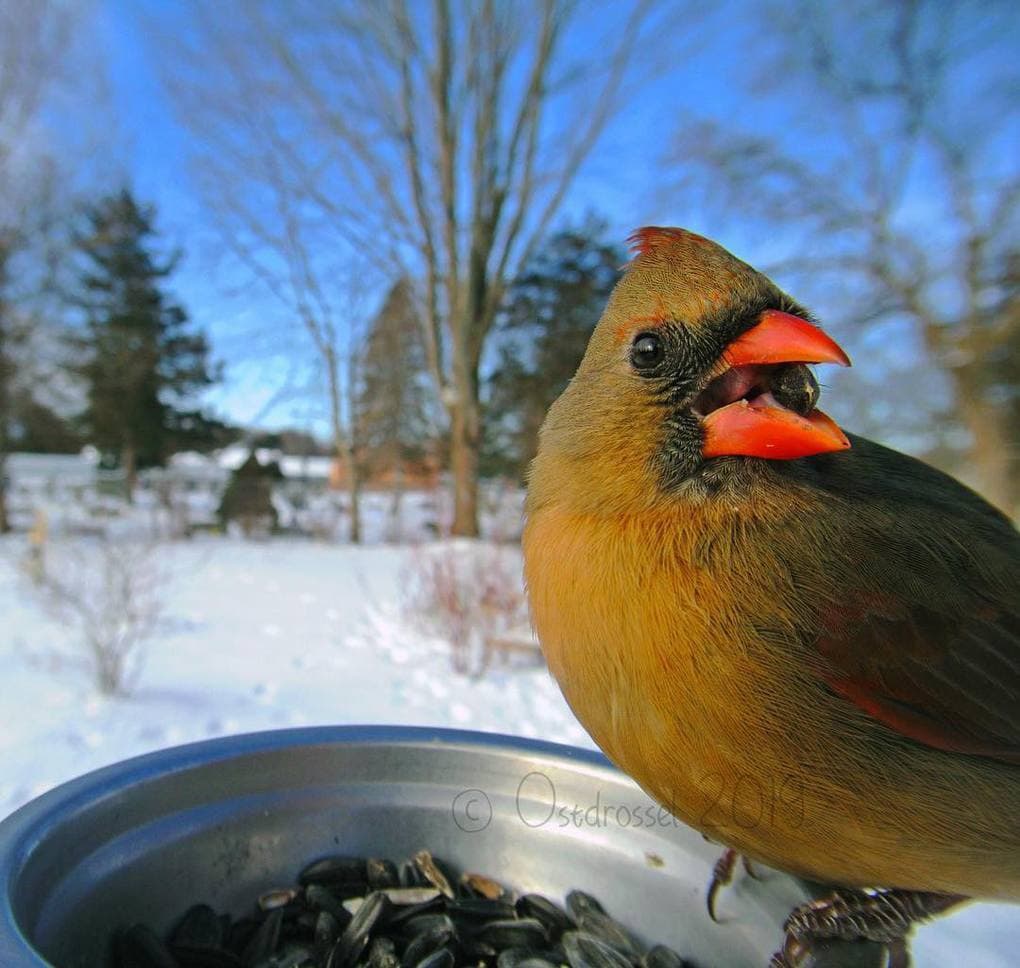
143 363
248 498
395 412
541 335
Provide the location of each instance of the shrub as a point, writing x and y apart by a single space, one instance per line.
469 593
108 589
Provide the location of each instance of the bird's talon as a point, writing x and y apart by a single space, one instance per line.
713 890
884 916
899 955
722 874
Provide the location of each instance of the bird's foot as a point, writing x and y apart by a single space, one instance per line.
883 916
722 874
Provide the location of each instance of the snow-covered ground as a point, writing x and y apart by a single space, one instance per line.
254 636
260 635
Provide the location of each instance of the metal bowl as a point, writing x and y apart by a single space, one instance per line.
223 820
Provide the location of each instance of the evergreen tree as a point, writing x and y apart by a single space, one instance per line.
542 334
395 411
39 429
248 498
143 364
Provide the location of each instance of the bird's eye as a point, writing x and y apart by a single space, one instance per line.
647 351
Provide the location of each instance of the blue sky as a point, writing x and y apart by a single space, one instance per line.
622 182
625 181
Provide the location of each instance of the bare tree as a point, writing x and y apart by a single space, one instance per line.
901 187
438 140
33 39
259 208
352 450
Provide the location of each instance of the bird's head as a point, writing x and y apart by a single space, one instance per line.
698 364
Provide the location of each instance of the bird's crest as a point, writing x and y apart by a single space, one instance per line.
650 237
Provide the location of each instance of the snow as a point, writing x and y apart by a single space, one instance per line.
262 635
257 636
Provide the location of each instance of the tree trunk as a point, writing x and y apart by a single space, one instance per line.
5 523
465 434
398 494
464 443
129 462
354 496
993 450
6 372
343 445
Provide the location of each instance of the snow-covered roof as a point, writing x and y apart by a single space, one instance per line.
292 466
67 468
234 455
312 468
195 467
191 458
81 468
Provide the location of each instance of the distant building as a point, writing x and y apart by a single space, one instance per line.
78 494
60 481
55 474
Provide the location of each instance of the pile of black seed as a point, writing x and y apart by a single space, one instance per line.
353 912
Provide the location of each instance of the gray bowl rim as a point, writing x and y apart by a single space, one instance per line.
26 828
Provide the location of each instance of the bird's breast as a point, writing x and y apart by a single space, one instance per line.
644 636
683 656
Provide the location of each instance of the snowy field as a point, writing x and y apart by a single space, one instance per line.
262 635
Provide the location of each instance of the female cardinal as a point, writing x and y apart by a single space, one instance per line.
800 642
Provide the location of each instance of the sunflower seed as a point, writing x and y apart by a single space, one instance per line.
479 909
579 903
483 886
428 941
323 899
612 933
524 958
327 930
356 935
381 873
662 957
426 863
555 919
336 871
443 958
266 939
382 953
514 933
349 912
276 898
586 951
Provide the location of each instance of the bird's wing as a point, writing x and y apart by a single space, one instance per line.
922 631
951 681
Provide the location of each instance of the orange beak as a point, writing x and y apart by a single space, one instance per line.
762 427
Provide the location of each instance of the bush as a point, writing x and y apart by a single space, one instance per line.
108 589
472 595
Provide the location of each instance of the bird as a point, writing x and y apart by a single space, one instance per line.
800 642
